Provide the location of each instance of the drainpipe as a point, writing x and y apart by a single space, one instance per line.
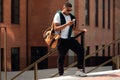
0 55
114 60
5 53
27 59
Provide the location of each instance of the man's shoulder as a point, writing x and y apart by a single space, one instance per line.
58 11
72 15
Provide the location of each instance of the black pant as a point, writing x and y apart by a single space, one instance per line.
63 46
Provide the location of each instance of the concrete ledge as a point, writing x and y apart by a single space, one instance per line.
103 75
46 73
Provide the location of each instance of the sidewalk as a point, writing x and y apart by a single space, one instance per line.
103 75
46 73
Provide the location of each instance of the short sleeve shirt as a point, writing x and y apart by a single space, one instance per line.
64 32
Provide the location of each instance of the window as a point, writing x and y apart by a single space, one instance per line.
119 48
15 11
109 14
96 13
103 13
1 10
15 58
38 52
109 51
88 50
87 13
103 51
97 47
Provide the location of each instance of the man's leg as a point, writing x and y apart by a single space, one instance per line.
62 51
79 50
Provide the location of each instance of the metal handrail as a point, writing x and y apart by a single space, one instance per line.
102 64
52 51
71 65
0 56
74 63
5 53
33 64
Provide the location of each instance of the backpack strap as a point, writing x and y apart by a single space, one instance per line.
62 18
73 17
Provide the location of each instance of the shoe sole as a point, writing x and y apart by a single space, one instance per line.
81 76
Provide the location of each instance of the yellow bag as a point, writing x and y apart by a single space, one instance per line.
50 37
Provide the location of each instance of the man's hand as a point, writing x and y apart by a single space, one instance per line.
70 23
85 30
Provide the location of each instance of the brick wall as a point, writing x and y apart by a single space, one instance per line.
40 15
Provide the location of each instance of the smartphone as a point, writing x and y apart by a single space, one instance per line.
73 20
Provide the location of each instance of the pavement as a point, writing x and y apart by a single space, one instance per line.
102 73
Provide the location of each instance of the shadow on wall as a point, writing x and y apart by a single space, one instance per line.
118 4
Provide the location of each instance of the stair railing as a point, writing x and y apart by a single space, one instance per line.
73 64
5 52
35 64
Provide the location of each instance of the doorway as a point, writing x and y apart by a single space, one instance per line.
15 59
38 52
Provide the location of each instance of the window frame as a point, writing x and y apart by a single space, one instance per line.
1 10
96 13
87 12
15 11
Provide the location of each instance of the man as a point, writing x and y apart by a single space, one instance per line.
64 23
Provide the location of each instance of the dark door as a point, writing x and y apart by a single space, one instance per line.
38 52
2 59
15 59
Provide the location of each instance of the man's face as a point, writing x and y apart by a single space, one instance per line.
67 10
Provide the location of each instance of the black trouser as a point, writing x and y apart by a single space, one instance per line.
63 46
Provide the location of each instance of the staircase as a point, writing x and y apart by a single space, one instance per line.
35 74
103 75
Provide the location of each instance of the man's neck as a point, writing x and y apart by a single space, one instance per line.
65 13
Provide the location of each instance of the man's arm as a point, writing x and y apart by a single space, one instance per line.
80 30
58 27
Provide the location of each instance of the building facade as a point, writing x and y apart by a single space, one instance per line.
25 21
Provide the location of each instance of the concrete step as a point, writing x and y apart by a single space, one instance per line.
103 75
46 73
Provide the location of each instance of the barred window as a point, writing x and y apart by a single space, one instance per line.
88 50
109 14
96 13
97 47
103 13
87 12
15 11
103 51
1 10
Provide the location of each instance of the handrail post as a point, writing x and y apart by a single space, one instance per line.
118 64
83 44
0 56
5 52
36 71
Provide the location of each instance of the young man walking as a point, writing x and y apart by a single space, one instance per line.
64 23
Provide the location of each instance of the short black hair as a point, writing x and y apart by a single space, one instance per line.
68 4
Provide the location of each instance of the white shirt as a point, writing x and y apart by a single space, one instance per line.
64 32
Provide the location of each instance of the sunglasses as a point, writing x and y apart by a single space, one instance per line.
69 9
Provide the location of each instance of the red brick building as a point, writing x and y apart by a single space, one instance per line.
25 20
